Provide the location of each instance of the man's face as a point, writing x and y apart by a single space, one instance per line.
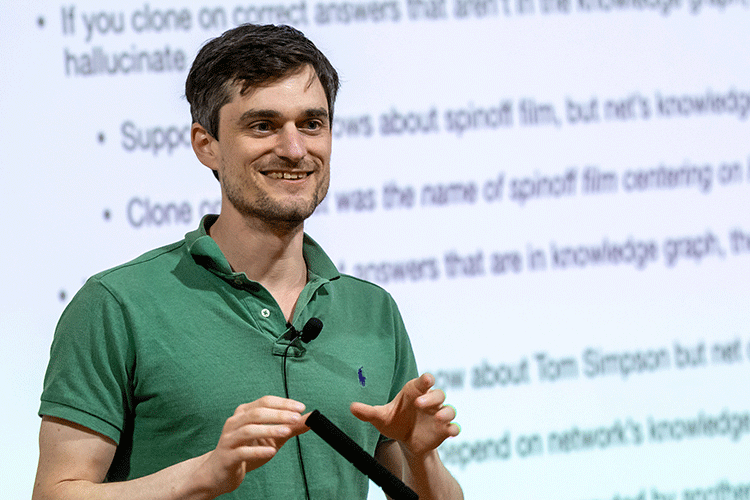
275 148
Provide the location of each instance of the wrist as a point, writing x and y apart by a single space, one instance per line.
426 474
423 458
200 480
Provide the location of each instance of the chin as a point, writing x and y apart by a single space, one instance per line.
289 214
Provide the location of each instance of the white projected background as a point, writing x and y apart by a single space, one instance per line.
555 192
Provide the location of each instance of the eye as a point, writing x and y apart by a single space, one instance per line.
312 125
263 126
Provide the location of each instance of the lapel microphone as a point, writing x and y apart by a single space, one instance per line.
310 331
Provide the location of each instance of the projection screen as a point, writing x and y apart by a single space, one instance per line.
554 191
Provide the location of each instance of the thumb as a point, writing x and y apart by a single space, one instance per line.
301 427
364 412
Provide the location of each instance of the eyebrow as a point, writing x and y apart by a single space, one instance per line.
254 114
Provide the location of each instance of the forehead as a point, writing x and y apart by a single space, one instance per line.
297 89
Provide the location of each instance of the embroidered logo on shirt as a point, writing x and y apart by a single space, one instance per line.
361 376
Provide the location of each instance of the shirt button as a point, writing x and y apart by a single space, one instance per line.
265 313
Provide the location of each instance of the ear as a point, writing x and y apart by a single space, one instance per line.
204 146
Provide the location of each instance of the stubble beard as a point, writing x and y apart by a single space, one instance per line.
256 205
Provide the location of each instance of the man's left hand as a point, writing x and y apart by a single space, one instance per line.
416 417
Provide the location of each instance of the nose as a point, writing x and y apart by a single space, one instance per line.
291 144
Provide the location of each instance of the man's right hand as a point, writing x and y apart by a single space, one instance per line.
250 438
73 460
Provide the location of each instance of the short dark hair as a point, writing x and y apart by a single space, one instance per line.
251 55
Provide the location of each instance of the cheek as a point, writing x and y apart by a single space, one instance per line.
323 186
321 148
326 179
244 151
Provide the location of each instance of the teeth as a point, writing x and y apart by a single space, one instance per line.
286 175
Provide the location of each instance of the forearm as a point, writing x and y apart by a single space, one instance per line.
182 481
74 460
429 478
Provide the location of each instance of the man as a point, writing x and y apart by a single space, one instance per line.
169 375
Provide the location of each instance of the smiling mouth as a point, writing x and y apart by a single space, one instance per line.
287 175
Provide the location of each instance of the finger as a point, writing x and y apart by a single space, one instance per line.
300 427
446 414
268 416
365 412
445 427
258 434
417 386
425 382
454 429
276 402
255 453
433 398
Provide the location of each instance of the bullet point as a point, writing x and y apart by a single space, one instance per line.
101 137
40 21
107 214
62 295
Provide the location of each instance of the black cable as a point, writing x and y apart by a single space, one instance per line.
286 394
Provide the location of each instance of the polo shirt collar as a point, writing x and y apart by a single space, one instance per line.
206 252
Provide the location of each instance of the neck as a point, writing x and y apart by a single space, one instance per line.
268 253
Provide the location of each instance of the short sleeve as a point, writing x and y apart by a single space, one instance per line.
406 364
87 380
405 368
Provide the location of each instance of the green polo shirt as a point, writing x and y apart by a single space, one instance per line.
157 353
